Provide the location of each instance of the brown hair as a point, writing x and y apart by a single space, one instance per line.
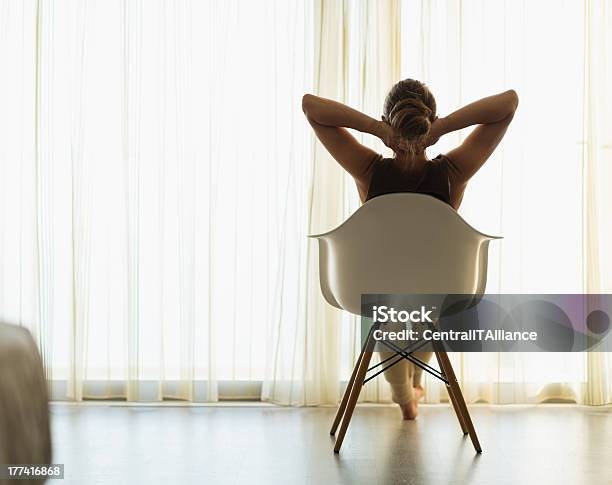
410 109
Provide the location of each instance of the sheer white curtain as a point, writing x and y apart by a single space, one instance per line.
158 180
154 179
546 190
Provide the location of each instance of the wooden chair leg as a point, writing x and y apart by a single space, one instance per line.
357 385
453 400
346 395
349 388
448 371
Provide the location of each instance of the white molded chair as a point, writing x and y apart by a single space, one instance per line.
401 243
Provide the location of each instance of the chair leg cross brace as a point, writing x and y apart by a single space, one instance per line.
358 379
411 358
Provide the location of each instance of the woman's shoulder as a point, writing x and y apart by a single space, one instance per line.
441 158
381 160
456 184
380 163
445 161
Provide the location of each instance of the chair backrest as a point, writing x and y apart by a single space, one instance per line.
401 243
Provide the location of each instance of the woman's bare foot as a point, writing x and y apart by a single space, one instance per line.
409 409
419 392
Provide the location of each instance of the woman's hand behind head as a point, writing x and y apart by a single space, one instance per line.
387 134
392 139
438 129
401 146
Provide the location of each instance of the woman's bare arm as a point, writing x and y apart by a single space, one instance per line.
329 119
493 115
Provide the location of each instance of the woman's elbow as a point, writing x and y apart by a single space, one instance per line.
513 99
307 102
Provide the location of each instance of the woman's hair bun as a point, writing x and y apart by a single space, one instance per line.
411 118
410 108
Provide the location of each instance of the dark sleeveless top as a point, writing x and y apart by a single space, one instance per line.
388 177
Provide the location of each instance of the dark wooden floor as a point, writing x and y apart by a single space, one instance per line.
545 444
